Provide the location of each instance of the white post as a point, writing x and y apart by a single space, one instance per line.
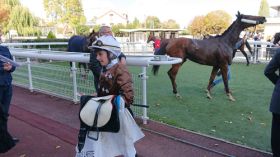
144 95
29 74
255 53
74 76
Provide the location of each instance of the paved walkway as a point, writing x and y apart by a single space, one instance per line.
47 126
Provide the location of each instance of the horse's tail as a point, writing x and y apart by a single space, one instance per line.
161 51
248 46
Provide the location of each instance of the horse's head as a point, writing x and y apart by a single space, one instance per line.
249 20
151 38
276 38
90 39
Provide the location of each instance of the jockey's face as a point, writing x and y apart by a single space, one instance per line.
102 57
105 31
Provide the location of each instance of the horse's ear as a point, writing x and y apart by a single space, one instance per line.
238 14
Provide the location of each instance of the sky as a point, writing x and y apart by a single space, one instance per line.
182 11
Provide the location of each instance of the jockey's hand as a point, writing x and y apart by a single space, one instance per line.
7 66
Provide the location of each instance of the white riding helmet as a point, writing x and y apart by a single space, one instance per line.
108 43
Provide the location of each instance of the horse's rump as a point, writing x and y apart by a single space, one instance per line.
77 44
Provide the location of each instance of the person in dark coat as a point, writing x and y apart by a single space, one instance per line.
272 73
6 140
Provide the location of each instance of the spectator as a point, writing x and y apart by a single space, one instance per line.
272 73
257 47
6 140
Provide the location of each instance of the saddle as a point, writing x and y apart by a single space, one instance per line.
99 114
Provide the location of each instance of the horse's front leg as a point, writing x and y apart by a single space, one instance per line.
172 75
226 74
211 79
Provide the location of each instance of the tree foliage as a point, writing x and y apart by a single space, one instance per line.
264 9
152 22
66 12
214 22
171 24
217 22
197 26
4 14
135 24
23 21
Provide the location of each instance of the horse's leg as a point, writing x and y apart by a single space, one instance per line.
84 69
172 75
245 54
211 79
70 63
233 53
225 72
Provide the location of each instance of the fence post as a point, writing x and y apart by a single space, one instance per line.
255 53
29 74
144 95
74 76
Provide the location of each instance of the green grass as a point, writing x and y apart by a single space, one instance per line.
246 121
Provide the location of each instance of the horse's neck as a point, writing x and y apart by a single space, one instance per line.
231 35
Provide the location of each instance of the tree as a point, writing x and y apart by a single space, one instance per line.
214 22
5 8
197 26
135 24
4 14
264 9
116 29
67 12
152 22
53 9
217 22
170 24
22 21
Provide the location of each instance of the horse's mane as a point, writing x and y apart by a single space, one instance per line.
229 28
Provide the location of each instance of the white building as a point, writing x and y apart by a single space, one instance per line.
111 18
272 25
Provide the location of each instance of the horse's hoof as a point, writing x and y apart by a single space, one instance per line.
178 96
208 95
230 97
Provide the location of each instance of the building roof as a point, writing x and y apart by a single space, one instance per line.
276 7
112 11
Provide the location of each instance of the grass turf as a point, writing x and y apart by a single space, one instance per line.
246 121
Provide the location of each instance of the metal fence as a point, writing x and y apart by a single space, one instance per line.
45 71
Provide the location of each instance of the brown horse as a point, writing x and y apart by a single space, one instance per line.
79 43
215 52
240 45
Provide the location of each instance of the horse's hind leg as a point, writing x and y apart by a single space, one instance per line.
245 54
211 79
172 75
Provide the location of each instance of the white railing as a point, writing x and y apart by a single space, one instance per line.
129 48
31 54
262 50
